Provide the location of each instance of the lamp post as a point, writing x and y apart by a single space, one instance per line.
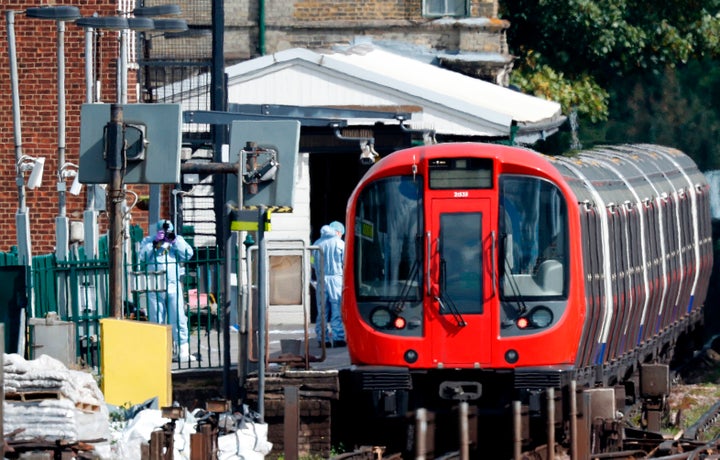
21 217
62 227
60 14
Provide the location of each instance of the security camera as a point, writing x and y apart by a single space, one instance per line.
35 179
367 155
366 160
76 186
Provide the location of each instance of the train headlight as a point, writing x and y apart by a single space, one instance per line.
540 317
399 322
537 318
380 318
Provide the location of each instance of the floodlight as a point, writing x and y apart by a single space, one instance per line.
76 186
170 25
141 24
58 13
104 22
37 165
157 10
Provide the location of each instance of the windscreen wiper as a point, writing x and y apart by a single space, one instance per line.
399 305
521 307
446 303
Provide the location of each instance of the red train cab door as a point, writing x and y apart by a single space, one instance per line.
461 249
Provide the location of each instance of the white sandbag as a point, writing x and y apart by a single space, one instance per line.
138 430
248 443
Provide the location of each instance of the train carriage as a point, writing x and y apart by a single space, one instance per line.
487 273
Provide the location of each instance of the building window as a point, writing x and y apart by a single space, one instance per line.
456 8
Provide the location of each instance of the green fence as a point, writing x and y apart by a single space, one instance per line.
77 290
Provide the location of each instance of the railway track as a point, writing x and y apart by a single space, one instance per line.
632 443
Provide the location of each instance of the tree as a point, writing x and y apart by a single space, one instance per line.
572 51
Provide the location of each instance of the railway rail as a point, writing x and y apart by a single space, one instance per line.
634 444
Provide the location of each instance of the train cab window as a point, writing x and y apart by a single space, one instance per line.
533 230
388 247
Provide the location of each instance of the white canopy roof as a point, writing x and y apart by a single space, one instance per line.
366 76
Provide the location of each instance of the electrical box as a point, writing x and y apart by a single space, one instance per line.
53 337
277 144
153 139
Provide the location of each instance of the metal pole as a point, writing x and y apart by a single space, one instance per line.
116 193
61 222
90 227
22 224
89 62
10 19
121 204
551 423
464 431
241 297
262 309
122 69
232 242
421 429
218 103
517 430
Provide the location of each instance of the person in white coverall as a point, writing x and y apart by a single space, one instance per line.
333 251
163 253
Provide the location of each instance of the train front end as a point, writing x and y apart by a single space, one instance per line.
462 258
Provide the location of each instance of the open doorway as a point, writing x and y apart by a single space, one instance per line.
333 177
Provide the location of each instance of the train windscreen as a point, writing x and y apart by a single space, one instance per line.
533 229
388 236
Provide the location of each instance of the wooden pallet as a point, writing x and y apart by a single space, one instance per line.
32 396
39 395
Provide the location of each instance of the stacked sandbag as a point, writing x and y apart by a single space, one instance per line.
44 400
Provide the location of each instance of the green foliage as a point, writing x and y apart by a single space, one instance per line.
582 94
634 71
578 49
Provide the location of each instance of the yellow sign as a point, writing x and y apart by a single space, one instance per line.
247 220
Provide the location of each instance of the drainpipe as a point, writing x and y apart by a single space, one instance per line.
261 27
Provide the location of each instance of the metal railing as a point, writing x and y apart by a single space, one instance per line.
77 290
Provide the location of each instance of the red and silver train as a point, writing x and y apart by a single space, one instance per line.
487 273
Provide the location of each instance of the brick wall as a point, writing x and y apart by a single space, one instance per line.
317 390
36 53
337 10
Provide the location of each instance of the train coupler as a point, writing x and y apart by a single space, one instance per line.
460 391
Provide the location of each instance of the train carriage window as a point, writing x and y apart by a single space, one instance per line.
533 230
388 231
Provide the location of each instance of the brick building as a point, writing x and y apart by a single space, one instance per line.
463 35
